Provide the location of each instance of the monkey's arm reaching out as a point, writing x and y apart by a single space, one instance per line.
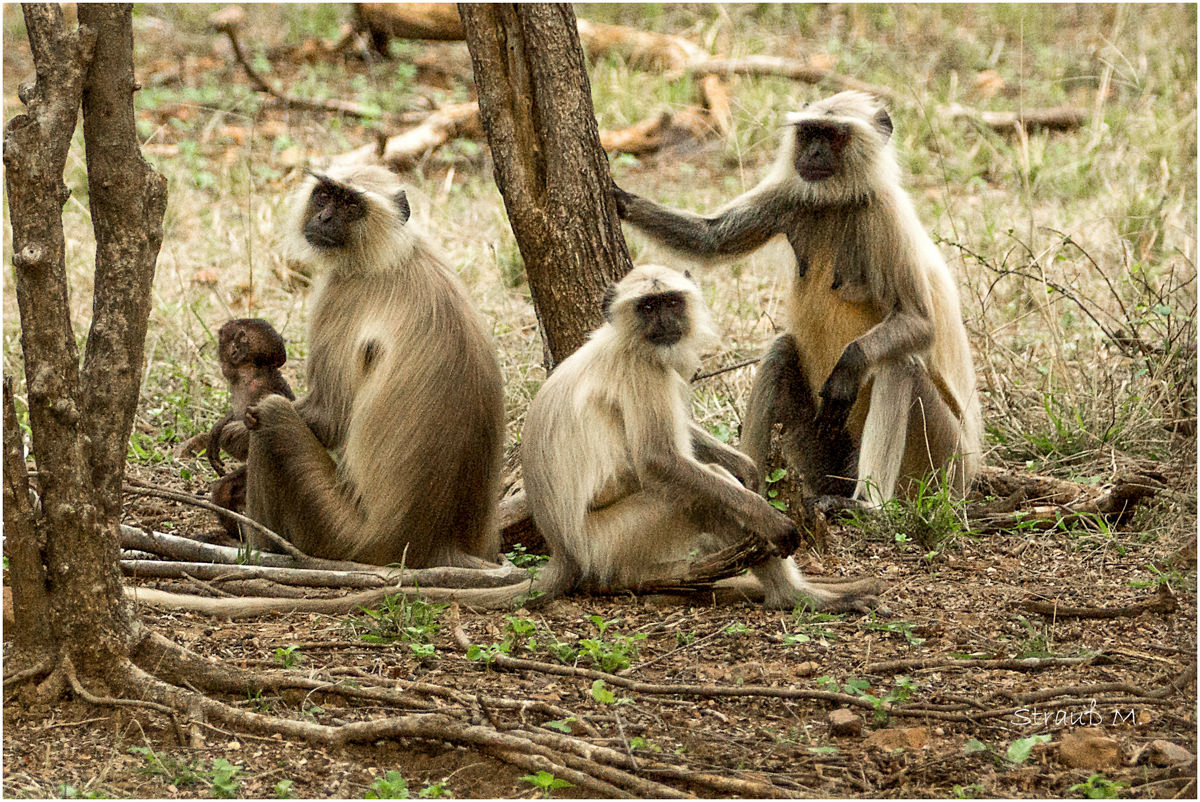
744 225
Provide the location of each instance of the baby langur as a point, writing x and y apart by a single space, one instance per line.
403 385
874 326
251 353
619 479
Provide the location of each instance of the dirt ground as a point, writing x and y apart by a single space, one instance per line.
1080 716
961 604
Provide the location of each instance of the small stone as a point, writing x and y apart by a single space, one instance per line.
805 669
889 740
751 671
1163 753
1086 750
844 722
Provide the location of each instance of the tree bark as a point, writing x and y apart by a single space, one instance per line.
536 105
66 548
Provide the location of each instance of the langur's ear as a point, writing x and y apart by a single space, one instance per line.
610 295
402 205
883 124
688 275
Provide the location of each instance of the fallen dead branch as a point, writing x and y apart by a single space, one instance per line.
276 540
641 49
186 549
1020 664
1070 502
1061 118
1164 603
402 151
785 68
304 577
666 129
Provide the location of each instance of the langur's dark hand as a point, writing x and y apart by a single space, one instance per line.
846 378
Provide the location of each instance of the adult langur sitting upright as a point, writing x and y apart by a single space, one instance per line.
621 482
403 385
874 325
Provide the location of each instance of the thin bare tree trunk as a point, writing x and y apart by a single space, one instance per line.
66 548
536 104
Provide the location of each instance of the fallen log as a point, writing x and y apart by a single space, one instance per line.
1061 118
644 50
385 21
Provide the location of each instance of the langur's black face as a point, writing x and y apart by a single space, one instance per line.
662 317
332 210
819 146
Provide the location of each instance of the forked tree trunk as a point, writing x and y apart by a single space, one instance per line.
536 104
63 550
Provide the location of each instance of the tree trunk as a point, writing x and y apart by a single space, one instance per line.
536 104
64 550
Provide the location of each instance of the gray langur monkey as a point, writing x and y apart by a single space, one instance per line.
621 482
874 326
403 385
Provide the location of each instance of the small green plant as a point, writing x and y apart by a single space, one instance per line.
604 696
684 638
903 628
975 791
398 618
612 655
263 704
289 656
931 517
1098 787
283 790
521 633
637 742
737 628
221 776
809 622
486 653
391 785
520 557
974 746
437 790
1020 749
1038 640
546 783
772 493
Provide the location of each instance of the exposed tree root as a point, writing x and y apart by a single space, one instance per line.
564 756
